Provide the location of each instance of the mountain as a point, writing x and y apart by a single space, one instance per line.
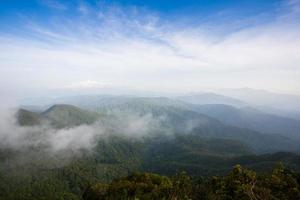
211 98
28 118
164 116
165 136
123 105
179 117
276 103
67 115
292 114
59 116
253 119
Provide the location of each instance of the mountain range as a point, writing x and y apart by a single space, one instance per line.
123 134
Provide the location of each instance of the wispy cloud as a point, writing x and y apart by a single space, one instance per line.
141 49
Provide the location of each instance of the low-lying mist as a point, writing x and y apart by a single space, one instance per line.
76 138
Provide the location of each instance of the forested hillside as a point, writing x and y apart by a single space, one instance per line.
68 152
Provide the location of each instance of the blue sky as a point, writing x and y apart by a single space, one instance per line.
165 6
192 11
177 46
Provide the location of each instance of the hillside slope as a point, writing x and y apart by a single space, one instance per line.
252 119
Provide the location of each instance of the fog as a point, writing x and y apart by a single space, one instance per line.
74 139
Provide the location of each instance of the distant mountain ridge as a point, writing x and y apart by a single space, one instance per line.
252 119
173 118
276 103
211 98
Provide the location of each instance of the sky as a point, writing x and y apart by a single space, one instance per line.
53 47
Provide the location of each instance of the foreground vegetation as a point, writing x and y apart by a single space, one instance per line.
32 174
239 184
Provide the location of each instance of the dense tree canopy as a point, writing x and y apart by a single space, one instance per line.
239 184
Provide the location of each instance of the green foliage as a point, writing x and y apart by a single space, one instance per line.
284 184
42 177
137 186
239 184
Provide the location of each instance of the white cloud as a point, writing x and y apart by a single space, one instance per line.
143 52
75 138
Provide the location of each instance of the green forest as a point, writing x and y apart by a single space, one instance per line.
239 184
142 149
